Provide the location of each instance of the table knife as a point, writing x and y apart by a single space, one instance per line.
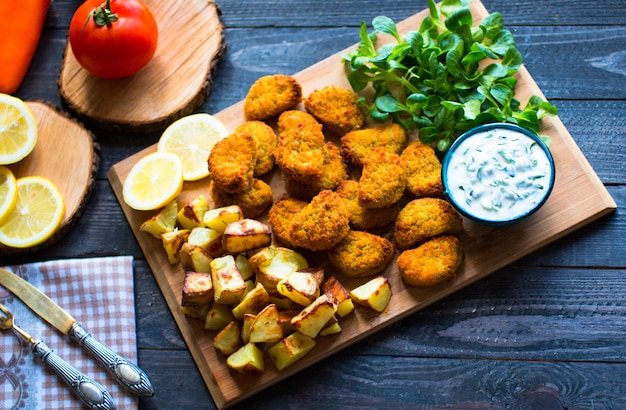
126 373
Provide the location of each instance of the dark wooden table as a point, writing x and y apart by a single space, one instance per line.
547 332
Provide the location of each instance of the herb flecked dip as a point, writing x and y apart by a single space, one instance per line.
498 174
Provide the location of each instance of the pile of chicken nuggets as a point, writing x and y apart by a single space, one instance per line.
357 193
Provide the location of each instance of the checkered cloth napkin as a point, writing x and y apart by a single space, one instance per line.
98 293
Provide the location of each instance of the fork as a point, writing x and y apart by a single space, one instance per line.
89 392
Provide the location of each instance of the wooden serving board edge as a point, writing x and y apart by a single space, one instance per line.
599 204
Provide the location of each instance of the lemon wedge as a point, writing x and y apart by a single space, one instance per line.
192 138
37 214
18 130
154 181
8 192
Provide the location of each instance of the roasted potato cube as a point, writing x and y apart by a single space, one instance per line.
317 272
195 258
161 222
228 340
290 350
196 312
244 266
219 218
248 319
253 302
283 303
192 214
197 289
247 360
229 286
172 242
217 317
208 239
334 288
300 286
246 234
274 263
312 318
331 328
374 294
265 327
284 319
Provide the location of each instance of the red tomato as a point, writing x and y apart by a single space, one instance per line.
113 38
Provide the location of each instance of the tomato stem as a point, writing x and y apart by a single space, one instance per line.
102 15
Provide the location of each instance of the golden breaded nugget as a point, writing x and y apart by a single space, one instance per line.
336 108
322 224
280 215
356 144
334 171
267 141
423 169
361 254
383 179
253 201
424 218
363 218
300 149
271 95
232 161
432 263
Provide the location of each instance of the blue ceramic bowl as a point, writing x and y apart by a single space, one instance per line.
498 174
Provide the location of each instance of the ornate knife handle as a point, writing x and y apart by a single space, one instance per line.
125 372
89 392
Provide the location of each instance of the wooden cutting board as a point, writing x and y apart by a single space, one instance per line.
173 84
66 154
578 198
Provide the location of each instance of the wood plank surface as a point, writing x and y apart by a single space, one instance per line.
546 330
577 199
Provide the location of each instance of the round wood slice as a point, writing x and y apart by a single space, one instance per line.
172 85
66 154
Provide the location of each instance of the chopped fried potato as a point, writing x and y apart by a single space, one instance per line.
196 312
228 340
247 360
273 263
244 266
248 319
161 222
195 258
374 294
172 242
333 288
217 317
290 350
227 281
312 318
254 301
331 330
197 289
208 239
301 287
246 234
266 327
192 214
219 218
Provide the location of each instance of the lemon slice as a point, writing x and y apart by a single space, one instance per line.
154 181
36 215
8 192
18 130
192 138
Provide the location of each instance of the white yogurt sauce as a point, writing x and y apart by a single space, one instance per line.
498 174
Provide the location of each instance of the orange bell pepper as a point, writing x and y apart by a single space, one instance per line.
21 22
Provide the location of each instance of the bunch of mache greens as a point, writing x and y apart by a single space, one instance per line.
445 78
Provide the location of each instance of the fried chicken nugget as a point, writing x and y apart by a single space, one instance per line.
424 170
253 201
270 95
321 224
363 218
383 179
266 140
361 254
336 108
280 215
356 144
334 171
232 161
432 263
424 218
300 149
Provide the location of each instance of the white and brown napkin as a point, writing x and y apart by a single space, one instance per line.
98 293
